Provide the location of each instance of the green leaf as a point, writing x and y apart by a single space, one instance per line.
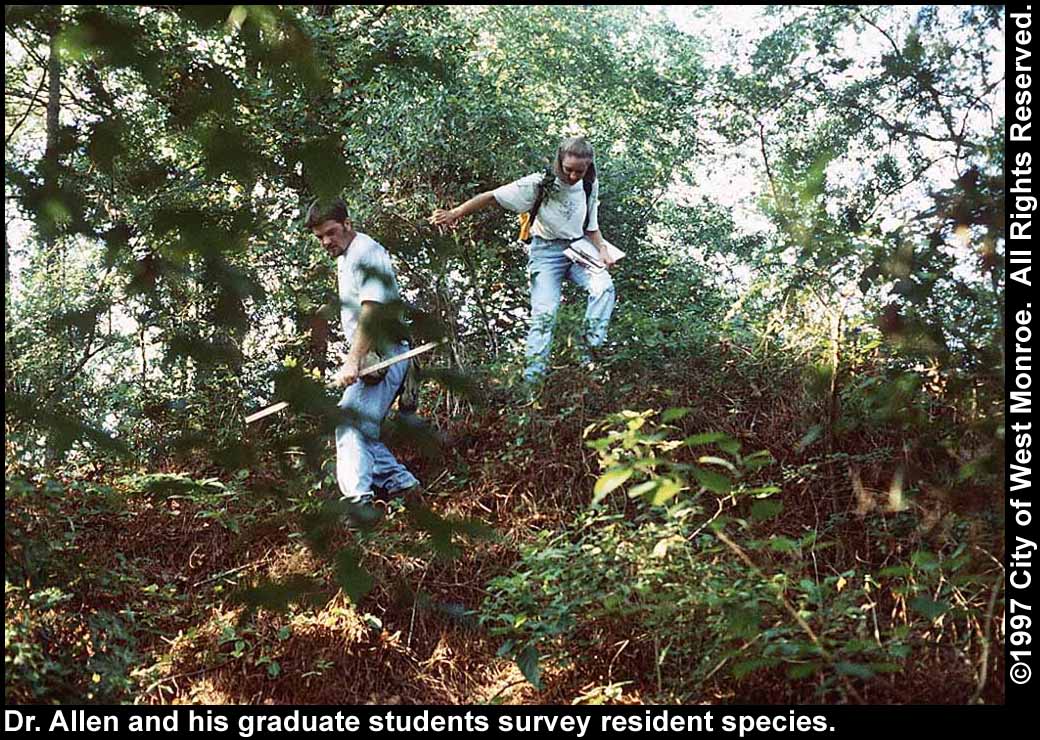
765 509
712 460
757 460
750 666
350 577
783 544
730 446
527 661
705 439
610 481
644 488
673 414
714 482
854 669
925 560
814 433
743 621
802 670
894 571
666 491
928 607
899 651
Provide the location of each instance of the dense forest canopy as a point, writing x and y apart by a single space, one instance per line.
804 373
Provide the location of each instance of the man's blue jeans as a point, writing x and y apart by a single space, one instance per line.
361 459
546 268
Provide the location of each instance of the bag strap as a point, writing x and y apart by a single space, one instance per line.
587 184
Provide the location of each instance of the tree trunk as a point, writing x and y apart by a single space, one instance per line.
8 354
144 360
50 152
833 401
832 398
50 156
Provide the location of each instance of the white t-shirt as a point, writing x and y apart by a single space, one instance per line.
562 213
364 273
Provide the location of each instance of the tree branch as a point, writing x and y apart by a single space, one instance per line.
28 109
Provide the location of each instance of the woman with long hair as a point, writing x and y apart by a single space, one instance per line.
564 204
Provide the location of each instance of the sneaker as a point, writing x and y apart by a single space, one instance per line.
386 500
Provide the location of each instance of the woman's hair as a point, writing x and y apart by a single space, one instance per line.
576 146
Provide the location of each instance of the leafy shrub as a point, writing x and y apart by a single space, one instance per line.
692 582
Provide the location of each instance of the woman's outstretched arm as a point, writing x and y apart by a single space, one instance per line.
452 216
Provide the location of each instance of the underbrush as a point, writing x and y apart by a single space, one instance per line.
161 587
695 589
703 546
99 572
647 601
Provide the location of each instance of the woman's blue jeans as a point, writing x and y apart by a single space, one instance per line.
546 268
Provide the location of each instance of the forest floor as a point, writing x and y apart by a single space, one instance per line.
161 570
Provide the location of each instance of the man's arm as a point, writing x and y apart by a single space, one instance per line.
359 348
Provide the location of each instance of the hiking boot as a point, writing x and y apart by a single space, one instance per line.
412 496
362 513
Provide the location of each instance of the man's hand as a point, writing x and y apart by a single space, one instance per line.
604 257
448 218
348 374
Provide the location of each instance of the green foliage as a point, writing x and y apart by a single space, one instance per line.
635 446
885 268
54 649
160 285
666 585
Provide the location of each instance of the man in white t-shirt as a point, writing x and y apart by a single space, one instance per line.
368 293
568 209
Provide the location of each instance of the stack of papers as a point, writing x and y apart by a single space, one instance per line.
586 253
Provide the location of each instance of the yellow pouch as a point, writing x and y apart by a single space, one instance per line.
525 227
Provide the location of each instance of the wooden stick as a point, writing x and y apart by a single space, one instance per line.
275 408
398 358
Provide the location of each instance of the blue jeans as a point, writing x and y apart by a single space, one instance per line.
361 459
546 268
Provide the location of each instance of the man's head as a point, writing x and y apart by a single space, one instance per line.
330 223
